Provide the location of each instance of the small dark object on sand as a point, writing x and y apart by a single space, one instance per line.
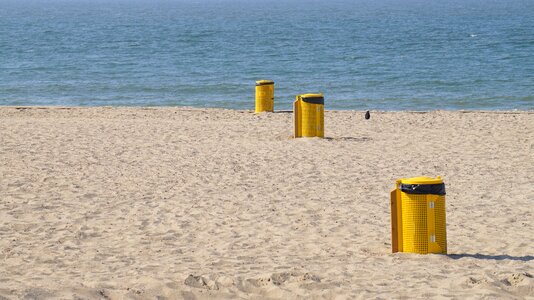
367 115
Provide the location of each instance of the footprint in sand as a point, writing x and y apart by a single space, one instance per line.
200 282
518 279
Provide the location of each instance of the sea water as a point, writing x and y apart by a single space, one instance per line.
362 54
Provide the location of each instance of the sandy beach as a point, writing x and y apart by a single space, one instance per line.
179 203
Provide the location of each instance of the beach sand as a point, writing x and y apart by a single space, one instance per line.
178 203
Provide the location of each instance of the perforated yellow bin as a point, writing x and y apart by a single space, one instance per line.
264 96
418 216
308 115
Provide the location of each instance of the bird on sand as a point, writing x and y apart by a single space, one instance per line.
367 115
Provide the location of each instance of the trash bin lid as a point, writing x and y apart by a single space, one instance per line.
312 98
422 185
264 82
421 180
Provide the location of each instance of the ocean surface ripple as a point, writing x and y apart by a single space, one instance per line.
386 55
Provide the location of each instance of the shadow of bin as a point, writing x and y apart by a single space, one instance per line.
308 115
418 216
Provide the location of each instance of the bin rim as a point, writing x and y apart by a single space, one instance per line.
264 82
311 95
421 180
312 98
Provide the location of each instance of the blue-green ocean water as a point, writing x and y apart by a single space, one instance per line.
362 54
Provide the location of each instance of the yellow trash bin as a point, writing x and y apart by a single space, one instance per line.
308 114
418 216
264 96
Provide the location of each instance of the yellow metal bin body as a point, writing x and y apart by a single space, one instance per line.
418 222
264 96
308 114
